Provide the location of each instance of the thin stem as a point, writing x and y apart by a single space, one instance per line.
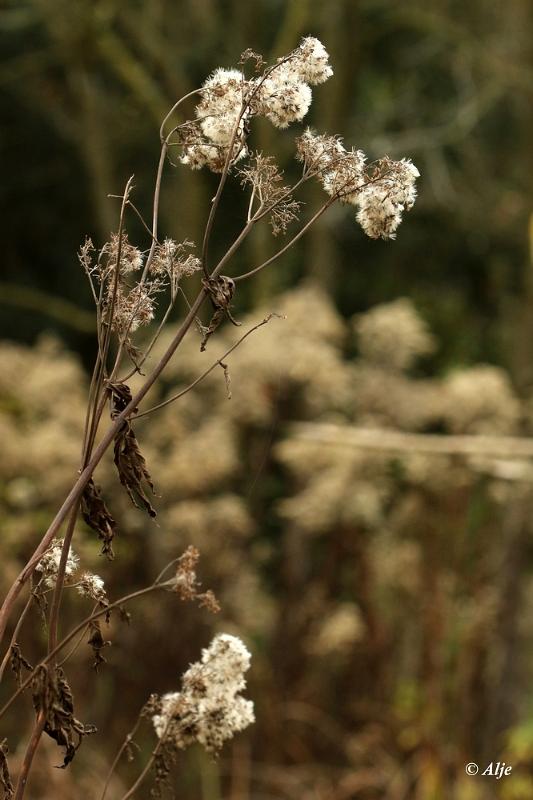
98 407
145 771
174 107
216 200
125 743
251 205
60 577
100 366
88 416
236 244
207 371
15 636
109 321
97 416
28 756
152 344
77 644
289 243
137 212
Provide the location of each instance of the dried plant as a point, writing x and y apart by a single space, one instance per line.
129 285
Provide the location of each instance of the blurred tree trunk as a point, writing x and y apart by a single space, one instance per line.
506 681
517 323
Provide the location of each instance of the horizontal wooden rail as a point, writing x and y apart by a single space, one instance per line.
383 439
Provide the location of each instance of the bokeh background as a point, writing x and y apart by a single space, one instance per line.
385 590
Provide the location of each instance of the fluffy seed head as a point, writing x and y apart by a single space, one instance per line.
49 563
209 708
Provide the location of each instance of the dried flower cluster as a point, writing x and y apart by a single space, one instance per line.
174 261
91 586
130 258
389 191
48 566
87 584
186 585
209 709
341 172
381 191
127 302
282 94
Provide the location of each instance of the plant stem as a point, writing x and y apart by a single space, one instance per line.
292 241
144 773
60 577
118 756
28 756
207 371
15 636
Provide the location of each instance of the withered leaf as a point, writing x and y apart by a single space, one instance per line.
18 661
5 778
98 517
130 462
97 642
52 695
41 602
220 290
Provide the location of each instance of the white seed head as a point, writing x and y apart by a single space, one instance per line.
312 61
49 563
209 708
91 586
283 97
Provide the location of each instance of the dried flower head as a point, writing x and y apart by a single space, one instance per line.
209 708
282 97
172 262
133 308
311 61
131 258
92 586
381 191
221 119
48 566
281 93
389 192
221 106
341 172
196 151
186 584
203 154
263 176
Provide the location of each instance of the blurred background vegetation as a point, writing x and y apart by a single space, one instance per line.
387 595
